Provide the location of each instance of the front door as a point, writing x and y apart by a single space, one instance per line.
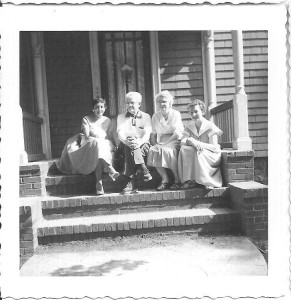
125 67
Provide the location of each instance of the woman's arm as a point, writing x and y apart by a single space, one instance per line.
153 138
173 137
85 128
110 131
212 146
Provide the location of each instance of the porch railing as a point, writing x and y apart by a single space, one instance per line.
224 119
32 136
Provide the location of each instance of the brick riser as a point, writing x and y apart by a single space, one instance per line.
206 229
95 210
85 184
224 223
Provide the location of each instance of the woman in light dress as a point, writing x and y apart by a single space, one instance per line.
92 150
167 129
200 154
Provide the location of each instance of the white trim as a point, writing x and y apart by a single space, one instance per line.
155 65
210 71
95 64
41 90
242 141
204 68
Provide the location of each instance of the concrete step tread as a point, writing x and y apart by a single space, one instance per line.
107 219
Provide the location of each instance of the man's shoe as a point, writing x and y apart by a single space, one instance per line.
130 187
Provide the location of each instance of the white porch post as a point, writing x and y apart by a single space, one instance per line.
242 140
155 65
209 63
41 90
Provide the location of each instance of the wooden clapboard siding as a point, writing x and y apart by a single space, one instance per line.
256 86
181 67
225 86
256 80
69 83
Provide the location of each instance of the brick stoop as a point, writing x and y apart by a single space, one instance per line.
82 217
202 221
145 201
71 209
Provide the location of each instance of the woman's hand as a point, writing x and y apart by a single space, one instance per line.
196 144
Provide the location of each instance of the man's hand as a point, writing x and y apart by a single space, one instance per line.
133 142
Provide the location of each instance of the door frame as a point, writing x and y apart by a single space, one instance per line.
155 65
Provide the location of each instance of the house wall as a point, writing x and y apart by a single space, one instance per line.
69 84
256 81
181 67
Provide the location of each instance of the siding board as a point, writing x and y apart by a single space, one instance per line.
181 67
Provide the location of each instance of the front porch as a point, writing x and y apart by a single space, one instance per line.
52 108
55 207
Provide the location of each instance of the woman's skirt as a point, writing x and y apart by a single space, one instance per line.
82 158
202 167
164 156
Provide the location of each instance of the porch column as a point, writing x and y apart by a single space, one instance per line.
209 63
242 140
23 154
155 65
95 64
41 90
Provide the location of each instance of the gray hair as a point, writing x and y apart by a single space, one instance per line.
165 95
133 95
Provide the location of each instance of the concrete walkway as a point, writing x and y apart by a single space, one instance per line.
147 255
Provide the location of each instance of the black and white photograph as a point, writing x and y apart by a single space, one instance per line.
145 151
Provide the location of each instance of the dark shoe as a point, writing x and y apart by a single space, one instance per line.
163 186
99 188
147 177
131 187
189 185
175 186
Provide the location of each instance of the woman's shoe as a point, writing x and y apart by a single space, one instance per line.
99 188
112 173
189 185
175 186
163 186
209 187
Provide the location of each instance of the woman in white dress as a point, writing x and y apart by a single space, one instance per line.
92 150
167 129
200 154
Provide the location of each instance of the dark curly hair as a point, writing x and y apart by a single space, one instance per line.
100 100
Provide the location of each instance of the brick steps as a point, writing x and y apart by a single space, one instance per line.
70 209
202 220
115 203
